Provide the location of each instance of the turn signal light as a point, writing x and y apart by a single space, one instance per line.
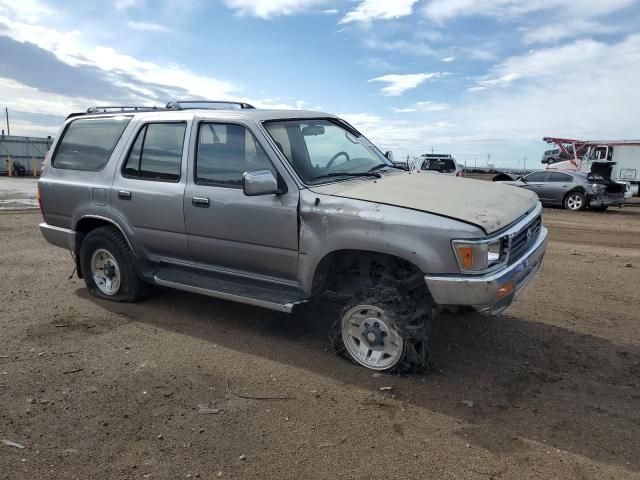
504 290
466 256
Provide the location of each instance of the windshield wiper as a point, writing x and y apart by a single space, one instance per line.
382 165
346 174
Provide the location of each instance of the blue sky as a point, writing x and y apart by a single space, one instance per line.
468 77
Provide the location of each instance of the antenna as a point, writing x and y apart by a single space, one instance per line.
6 113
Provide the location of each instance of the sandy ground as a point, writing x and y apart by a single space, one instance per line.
95 390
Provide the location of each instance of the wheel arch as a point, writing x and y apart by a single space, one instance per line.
338 260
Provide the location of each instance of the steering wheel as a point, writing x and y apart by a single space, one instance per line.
335 157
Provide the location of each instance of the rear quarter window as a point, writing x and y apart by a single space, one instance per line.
87 144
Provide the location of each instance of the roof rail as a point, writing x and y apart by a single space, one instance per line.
185 104
122 108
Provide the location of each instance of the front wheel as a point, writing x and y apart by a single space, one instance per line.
384 329
575 201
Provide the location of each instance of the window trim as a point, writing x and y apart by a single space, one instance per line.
239 124
135 139
64 132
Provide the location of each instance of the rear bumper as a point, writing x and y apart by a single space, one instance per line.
601 201
58 236
489 294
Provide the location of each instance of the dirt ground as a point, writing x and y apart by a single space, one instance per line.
95 390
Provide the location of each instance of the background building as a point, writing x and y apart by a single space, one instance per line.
26 153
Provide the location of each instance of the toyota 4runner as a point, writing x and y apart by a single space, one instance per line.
278 208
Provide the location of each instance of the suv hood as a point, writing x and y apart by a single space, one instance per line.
490 206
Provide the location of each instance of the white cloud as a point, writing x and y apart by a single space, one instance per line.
588 86
147 27
448 59
569 28
272 8
368 10
426 106
441 10
330 11
398 84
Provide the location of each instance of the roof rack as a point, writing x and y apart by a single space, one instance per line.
122 108
197 104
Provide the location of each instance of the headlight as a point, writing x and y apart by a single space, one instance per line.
478 255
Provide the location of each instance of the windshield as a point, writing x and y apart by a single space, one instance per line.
319 150
442 165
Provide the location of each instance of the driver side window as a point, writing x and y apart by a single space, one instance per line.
225 152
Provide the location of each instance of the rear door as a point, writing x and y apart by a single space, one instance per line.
556 188
227 229
148 188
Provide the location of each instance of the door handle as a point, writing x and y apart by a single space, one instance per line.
124 195
201 202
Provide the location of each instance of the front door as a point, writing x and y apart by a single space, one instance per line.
148 189
536 182
227 229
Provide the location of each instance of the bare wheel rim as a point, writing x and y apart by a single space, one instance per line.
105 271
371 338
574 202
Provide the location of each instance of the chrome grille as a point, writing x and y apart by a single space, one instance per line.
521 240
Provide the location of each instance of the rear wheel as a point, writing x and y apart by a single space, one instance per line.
384 329
575 201
107 266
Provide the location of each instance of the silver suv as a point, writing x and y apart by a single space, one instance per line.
278 208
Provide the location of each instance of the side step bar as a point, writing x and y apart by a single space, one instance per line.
231 287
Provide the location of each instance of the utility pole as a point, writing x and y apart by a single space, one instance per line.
488 158
524 162
6 113
431 150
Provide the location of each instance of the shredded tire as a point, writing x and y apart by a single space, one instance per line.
411 315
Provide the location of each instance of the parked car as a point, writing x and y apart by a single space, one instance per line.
570 189
280 208
438 163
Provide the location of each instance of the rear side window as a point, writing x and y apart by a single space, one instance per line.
225 152
560 177
156 153
87 144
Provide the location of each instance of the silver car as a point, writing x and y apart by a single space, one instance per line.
280 208
571 190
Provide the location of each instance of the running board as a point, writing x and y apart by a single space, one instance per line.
231 287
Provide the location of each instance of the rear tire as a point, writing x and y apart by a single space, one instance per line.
107 266
384 329
575 201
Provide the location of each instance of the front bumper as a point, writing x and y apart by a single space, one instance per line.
58 236
489 294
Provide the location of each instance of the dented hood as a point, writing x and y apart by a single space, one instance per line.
490 206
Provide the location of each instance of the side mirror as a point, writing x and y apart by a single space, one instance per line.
389 155
260 182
